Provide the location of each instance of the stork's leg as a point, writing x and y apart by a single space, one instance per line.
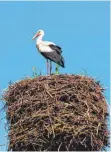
50 67
47 67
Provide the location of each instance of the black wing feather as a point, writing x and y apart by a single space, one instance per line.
56 48
55 57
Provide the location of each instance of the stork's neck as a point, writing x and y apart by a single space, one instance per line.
39 39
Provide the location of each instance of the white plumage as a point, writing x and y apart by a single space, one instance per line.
44 46
49 50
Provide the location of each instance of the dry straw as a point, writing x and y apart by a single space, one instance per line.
57 112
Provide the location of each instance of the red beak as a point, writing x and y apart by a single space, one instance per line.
35 36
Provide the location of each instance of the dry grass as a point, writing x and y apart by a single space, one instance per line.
57 112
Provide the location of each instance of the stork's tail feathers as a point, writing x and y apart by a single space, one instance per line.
61 62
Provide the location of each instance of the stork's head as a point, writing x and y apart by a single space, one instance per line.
40 32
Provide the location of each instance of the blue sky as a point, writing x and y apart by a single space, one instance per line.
80 28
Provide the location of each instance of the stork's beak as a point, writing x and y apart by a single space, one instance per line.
34 36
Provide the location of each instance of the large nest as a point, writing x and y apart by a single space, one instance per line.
57 112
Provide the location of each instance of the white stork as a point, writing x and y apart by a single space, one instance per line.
49 50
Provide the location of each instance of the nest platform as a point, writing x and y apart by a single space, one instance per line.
56 113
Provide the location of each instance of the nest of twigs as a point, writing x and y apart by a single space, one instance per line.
57 112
